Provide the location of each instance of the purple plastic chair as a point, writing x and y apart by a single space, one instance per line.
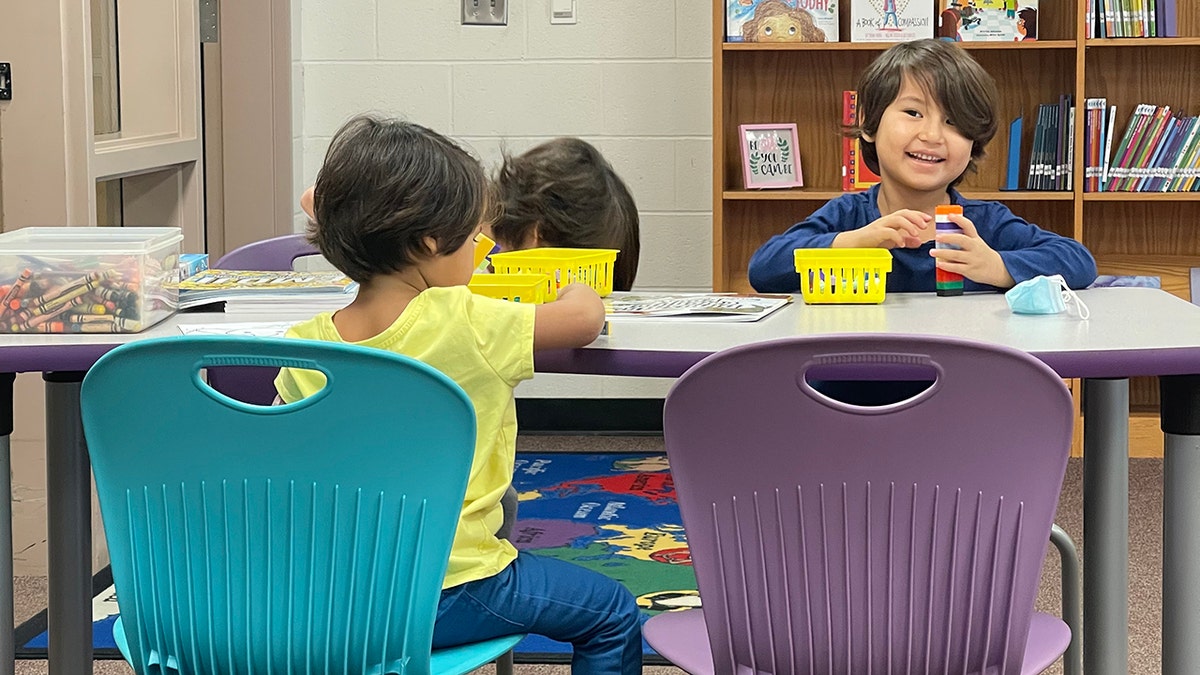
257 385
838 539
277 254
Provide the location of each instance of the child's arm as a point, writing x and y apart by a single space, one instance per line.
1026 250
772 268
573 320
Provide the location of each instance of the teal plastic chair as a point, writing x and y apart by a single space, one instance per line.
301 538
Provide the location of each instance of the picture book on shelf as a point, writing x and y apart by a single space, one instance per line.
856 175
890 20
781 21
988 20
706 306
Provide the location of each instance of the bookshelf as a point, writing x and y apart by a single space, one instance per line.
1129 233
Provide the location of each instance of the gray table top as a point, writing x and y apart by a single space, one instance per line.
1131 331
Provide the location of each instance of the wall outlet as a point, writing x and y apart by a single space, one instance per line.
5 82
485 12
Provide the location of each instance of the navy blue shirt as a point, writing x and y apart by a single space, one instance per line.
1027 250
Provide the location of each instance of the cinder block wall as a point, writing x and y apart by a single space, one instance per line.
633 78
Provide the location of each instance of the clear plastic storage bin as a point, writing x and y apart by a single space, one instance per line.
88 279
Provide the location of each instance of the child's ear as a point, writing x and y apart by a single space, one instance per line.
431 244
866 137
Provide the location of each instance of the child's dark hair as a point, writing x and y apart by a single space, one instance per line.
568 194
387 185
947 73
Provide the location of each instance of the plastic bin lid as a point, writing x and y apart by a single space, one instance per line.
87 240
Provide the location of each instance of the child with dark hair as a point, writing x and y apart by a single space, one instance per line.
564 193
397 208
926 111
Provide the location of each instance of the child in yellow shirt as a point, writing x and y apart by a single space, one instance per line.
397 208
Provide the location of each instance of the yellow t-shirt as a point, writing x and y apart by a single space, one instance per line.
484 345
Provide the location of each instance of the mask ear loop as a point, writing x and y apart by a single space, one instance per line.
1070 297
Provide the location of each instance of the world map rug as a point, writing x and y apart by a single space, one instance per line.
613 513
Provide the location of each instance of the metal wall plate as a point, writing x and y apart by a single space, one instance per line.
485 12
5 81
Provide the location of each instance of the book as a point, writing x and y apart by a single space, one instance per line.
1012 169
988 20
781 21
890 20
706 306
856 175
272 287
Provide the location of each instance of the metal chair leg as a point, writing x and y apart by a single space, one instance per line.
1072 602
504 664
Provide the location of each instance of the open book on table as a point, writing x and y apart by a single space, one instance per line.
700 306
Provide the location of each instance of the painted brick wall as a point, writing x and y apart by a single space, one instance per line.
633 78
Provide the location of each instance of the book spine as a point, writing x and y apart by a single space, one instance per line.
1167 140
1108 146
1119 165
1142 157
1035 153
849 100
1013 169
1184 158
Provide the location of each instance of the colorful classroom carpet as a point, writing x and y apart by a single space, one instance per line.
613 513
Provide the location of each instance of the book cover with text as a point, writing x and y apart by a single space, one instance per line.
781 21
988 20
891 20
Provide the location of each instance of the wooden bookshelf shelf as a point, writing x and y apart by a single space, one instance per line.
1144 43
800 195
1129 232
878 46
1155 197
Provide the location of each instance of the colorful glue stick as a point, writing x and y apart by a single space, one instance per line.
483 248
948 283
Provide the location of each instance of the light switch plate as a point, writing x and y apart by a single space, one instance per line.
562 11
485 12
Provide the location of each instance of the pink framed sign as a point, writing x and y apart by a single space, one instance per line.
770 157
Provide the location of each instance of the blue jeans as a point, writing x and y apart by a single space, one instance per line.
550 597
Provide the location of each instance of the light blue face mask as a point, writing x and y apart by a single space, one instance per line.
1044 295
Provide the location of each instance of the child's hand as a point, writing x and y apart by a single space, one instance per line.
899 229
974 259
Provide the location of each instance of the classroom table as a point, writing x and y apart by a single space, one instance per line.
1131 332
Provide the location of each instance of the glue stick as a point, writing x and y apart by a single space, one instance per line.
948 283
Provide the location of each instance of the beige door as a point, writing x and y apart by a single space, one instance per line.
109 118
104 126
110 124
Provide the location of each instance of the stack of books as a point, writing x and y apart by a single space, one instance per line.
262 294
1132 18
1050 159
1158 152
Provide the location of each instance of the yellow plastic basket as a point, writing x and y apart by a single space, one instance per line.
527 288
591 266
843 275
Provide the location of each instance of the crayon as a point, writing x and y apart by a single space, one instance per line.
948 283
15 291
